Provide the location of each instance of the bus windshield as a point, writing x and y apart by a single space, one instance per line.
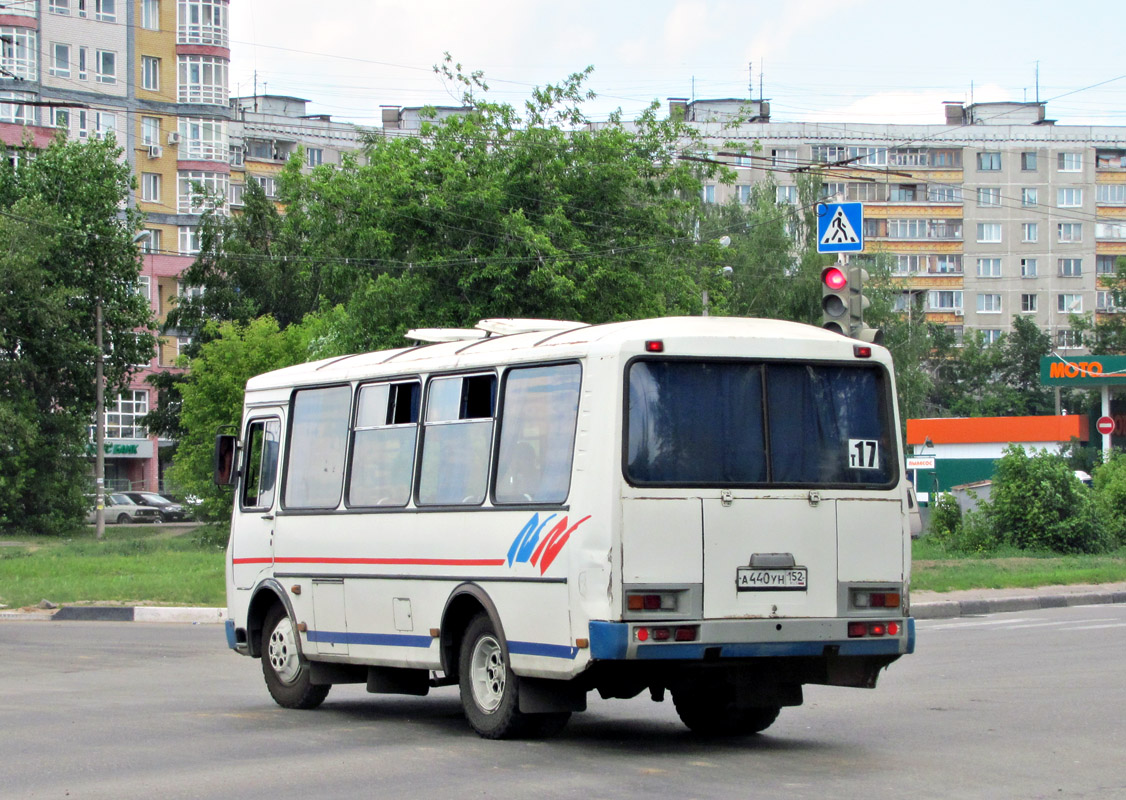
746 423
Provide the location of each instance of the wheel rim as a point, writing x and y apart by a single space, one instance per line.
282 652
487 673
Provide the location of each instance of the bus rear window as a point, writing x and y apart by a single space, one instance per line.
743 423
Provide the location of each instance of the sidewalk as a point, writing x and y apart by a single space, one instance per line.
924 605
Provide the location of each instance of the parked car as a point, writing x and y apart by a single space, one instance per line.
121 509
169 511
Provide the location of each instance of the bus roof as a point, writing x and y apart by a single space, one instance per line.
759 338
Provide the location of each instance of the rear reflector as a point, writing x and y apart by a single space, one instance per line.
654 346
862 351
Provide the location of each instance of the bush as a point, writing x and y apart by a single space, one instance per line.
946 517
1110 497
1038 504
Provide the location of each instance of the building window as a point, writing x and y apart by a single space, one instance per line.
944 300
1067 338
902 193
742 192
314 156
989 268
59 7
1111 194
105 66
1071 267
944 193
785 157
1028 161
150 187
150 15
105 124
989 231
203 79
1028 267
907 264
828 153
988 161
60 60
1069 303
1028 303
105 10
202 22
1030 231
150 73
989 196
123 416
946 158
1110 230
867 156
270 187
237 155
863 192
741 160
82 51
234 193
150 130
1104 301
19 48
990 336
1069 162
204 139
152 242
13 108
947 264
1069 197
60 118
786 195
1027 197
707 193
1106 265
1069 231
989 303
189 240
197 188
144 287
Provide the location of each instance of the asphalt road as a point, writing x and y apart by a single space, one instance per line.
1021 705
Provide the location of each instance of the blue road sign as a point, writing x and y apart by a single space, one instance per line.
840 227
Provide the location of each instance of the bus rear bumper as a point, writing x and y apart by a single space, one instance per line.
760 638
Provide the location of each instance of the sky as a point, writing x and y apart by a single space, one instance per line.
815 60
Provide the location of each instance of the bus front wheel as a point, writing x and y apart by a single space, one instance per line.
286 671
712 711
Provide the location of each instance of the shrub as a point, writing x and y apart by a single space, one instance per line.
1110 497
1039 504
946 517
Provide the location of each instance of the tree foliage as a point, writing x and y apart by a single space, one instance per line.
65 243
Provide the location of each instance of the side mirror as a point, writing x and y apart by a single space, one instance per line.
225 470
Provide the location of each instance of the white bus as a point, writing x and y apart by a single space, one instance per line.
532 510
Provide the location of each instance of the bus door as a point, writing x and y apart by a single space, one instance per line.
767 557
252 536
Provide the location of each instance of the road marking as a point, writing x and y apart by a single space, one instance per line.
1063 622
982 624
1098 627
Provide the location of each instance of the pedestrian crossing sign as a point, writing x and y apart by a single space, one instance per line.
840 227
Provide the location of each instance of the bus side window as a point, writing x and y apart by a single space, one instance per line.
383 444
317 443
537 436
261 463
457 440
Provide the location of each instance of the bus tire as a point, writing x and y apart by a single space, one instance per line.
286 671
712 712
489 688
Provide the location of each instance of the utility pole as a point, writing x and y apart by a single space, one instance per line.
99 426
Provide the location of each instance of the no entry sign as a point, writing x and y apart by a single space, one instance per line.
1105 425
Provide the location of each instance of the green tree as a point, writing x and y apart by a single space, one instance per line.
65 245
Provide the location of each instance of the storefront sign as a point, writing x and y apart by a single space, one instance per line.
124 448
1083 371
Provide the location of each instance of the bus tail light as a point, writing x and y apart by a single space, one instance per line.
651 601
864 598
680 633
857 630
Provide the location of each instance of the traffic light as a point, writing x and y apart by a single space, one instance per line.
834 299
843 303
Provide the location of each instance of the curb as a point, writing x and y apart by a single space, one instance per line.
195 616
945 609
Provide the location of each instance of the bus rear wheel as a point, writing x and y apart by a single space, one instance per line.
712 712
286 671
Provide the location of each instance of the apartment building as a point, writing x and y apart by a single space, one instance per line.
153 73
995 211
